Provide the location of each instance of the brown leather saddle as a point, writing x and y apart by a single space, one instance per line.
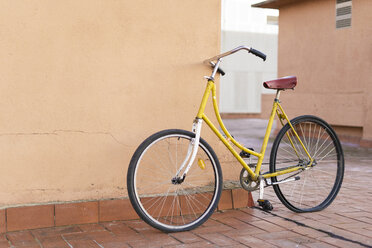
281 83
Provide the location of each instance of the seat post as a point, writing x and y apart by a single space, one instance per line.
277 95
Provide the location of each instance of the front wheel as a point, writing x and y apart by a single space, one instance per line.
160 199
316 186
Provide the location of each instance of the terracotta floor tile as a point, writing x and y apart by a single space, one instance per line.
113 243
146 244
244 232
291 215
236 223
266 225
247 218
2 221
282 222
240 198
23 218
75 236
210 222
116 210
363 232
3 237
319 245
301 240
18 237
339 243
257 213
118 228
203 244
4 244
46 233
54 242
284 243
186 237
162 237
212 229
139 226
227 214
122 238
277 235
354 225
27 245
366 220
309 232
76 213
225 200
83 244
92 227
254 242
218 239
99 235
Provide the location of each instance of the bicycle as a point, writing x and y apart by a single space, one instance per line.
175 181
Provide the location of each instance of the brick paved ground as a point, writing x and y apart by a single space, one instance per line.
346 223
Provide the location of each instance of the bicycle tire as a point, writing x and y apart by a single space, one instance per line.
318 185
162 204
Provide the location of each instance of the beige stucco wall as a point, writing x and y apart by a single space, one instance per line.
333 66
82 83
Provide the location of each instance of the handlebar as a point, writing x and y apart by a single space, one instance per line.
249 49
220 56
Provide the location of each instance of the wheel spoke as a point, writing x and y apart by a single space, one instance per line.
319 184
166 204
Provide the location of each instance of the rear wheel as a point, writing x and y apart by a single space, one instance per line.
319 184
164 201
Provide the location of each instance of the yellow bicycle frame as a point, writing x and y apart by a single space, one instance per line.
211 87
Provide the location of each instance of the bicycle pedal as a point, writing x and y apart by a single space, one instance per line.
245 154
265 204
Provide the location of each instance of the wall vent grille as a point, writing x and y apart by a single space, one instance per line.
343 13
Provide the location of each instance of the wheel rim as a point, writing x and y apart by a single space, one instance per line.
319 184
168 205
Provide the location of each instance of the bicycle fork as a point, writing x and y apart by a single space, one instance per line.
191 151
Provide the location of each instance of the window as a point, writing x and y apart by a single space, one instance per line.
343 13
272 20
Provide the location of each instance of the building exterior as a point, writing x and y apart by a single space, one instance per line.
241 87
327 45
83 83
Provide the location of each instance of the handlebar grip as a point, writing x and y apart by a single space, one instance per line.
258 53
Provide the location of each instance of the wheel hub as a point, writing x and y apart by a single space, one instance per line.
177 180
